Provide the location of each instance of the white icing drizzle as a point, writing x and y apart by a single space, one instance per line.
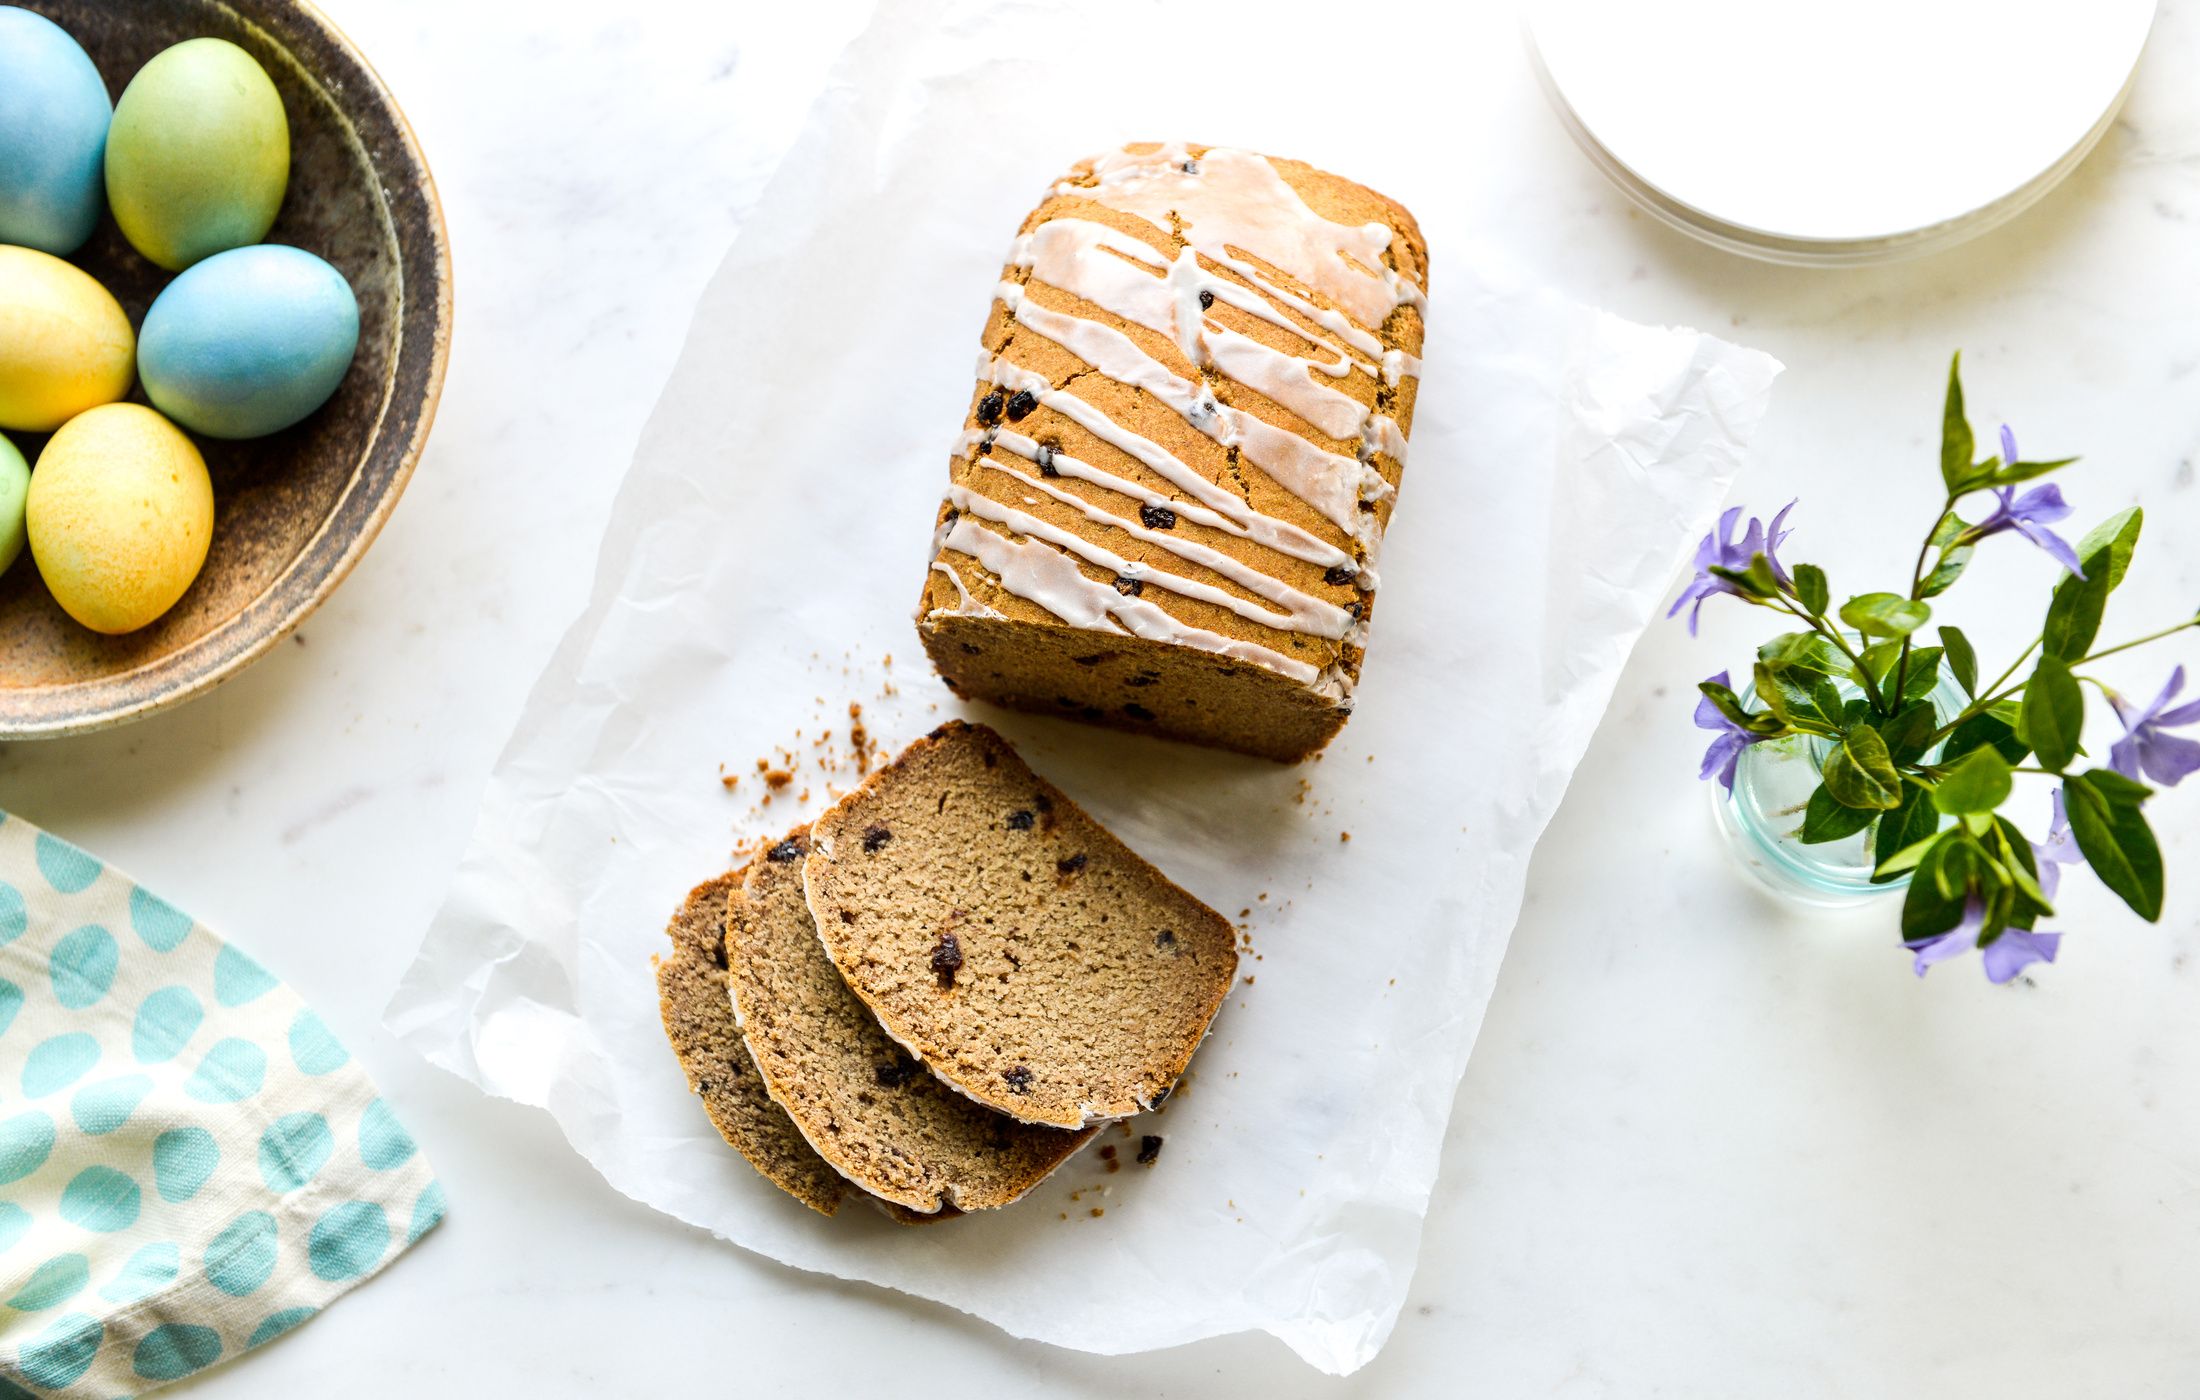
969 606
1303 612
1033 570
1234 199
1072 254
1223 509
1332 484
986 508
1233 211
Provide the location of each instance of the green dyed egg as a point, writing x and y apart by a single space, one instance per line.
198 156
15 485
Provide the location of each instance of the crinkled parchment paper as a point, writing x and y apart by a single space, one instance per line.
764 555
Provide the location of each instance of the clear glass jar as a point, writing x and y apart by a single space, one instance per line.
1762 817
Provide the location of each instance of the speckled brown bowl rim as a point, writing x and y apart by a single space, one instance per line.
423 333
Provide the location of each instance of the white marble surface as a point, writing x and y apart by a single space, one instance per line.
1705 1147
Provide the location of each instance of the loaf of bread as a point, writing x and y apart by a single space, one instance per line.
1182 450
1031 960
865 1104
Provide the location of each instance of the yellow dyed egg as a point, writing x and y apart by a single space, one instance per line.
65 345
120 514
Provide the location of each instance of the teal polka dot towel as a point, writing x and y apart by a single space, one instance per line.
191 1164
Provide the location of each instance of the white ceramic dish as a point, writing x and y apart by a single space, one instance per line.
1876 130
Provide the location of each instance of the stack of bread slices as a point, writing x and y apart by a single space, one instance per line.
936 993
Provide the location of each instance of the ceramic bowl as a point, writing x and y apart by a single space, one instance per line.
293 512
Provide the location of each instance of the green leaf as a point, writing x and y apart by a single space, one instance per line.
1993 729
1905 827
2117 842
1756 582
1906 859
1997 893
1804 652
1928 909
1860 773
1729 704
1956 444
1924 673
1741 580
1885 614
2074 615
2014 850
1879 659
1979 783
2119 534
2010 473
1810 588
1950 865
1954 557
1910 732
2052 714
1962 660
2117 788
1950 567
1827 697
1828 820
1789 700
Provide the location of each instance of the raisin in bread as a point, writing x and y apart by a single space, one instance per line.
1029 958
862 1101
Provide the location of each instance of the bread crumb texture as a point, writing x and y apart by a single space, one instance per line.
699 1021
1029 958
862 1101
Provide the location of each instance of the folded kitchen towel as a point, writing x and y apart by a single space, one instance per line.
190 1163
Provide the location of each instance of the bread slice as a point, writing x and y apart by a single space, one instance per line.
699 1021
1029 958
863 1103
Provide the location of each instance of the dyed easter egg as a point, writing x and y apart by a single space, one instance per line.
248 342
199 154
120 514
65 345
15 484
53 135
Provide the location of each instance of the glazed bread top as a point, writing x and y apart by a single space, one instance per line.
1194 394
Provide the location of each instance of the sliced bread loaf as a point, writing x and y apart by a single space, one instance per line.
691 996
1030 959
863 1103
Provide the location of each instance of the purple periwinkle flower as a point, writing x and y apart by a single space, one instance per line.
1720 548
2167 759
2058 850
1725 752
2029 514
2014 951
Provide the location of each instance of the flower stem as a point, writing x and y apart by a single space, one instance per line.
1989 698
2139 641
1819 625
1917 586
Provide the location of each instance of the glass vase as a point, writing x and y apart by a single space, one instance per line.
1762 819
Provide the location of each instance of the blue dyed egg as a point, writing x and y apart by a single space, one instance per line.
249 341
53 135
